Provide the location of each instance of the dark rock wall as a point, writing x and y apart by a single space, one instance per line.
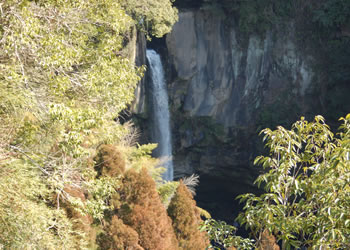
139 105
224 87
226 79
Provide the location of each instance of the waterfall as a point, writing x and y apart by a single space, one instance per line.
161 133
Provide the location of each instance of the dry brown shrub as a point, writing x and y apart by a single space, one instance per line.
191 182
145 213
123 236
186 219
81 222
109 161
267 241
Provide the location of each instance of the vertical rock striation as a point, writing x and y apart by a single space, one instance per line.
224 88
227 78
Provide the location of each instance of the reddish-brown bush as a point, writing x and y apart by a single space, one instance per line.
267 241
145 213
81 222
109 161
123 236
186 219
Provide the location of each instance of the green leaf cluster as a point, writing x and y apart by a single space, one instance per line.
154 17
222 234
332 13
307 186
26 222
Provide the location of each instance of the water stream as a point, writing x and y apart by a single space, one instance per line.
161 132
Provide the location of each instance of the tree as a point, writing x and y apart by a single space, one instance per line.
62 81
155 17
224 235
109 161
123 236
82 222
307 186
64 78
144 212
186 220
26 220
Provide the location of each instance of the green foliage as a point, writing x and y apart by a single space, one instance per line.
64 77
166 191
204 213
61 58
26 220
307 186
331 18
277 113
207 130
332 13
223 235
68 53
144 150
155 17
140 157
100 191
82 222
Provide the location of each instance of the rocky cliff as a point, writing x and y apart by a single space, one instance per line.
228 80
224 87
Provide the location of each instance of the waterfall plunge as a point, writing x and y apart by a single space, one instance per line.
161 133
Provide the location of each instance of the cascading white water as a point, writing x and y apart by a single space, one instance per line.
161 133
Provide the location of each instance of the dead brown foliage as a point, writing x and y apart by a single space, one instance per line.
81 222
123 236
144 212
186 218
267 241
109 161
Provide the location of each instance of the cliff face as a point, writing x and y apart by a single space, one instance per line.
139 104
224 87
221 78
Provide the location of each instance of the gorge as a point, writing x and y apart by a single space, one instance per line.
248 101
225 86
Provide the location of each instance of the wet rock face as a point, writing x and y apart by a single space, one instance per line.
228 79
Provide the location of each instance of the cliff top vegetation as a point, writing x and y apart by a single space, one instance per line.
66 72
